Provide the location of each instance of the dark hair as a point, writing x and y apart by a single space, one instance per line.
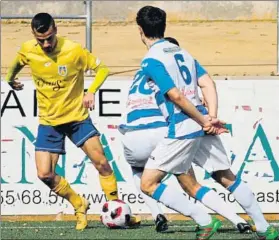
41 22
152 20
172 40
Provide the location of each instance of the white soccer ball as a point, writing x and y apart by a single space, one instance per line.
116 214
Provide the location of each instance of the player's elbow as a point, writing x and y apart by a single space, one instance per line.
206 81
175 95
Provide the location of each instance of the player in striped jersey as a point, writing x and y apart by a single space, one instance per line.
143 119
138 146
173 75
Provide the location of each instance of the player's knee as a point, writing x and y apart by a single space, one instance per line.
46 178
103 167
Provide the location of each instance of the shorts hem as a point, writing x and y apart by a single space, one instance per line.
136 165
59 151
89 135
219 169
160 169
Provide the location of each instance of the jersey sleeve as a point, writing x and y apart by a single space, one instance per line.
21 55
155 70
18 63
200 70
88 60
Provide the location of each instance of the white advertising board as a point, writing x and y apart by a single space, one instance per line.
251 108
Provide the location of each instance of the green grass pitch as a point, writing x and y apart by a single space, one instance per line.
95 230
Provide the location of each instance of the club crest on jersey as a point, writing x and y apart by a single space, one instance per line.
62 70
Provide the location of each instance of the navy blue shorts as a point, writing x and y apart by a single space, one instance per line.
52 138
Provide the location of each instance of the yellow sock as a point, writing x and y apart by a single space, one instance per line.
63 189
109 186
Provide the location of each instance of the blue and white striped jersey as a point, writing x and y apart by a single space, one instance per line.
142 111
167 66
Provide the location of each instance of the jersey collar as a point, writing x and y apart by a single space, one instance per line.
159 41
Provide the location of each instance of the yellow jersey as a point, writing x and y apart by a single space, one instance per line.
59 79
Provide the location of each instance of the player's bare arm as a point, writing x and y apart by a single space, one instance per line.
209 93
210 96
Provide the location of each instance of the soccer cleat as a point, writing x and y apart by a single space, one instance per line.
134 221
244 228
81 215
206 232
161 223
270 234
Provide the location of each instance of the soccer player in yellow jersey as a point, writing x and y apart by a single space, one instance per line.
58 65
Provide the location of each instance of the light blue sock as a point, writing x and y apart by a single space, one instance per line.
177 201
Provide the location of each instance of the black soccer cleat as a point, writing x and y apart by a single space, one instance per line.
161 223
244 228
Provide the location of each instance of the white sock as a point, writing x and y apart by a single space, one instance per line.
213 201
245 197
177 201
152 204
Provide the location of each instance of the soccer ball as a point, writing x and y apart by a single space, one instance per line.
116 214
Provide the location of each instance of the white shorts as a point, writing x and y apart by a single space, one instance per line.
212 155
138 145
174 155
